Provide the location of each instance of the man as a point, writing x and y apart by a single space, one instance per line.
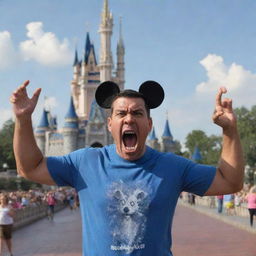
128 191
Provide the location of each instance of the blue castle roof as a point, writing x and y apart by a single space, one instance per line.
44 122
167 132
71 114
87 48
196 155
76 61
152 135
71 119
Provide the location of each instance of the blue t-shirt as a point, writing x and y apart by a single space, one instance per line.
127 207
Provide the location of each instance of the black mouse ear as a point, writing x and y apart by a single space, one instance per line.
153 93
105 93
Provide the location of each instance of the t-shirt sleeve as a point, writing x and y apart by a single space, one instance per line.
64 169
197 178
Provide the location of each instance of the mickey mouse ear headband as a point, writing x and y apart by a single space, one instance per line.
151 91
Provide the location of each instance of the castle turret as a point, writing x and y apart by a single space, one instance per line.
167 143
70 129
152 140
105 30
120 58
75 81
40 133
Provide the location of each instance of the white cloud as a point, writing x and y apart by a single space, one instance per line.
8 55
241 83
45 47
6 114
50 102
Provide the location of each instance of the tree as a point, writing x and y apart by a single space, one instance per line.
246 121
6 149
209 147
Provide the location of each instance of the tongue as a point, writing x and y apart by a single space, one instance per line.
130 140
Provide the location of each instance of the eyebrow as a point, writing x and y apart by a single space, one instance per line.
140 109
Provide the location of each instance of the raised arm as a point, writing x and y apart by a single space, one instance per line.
30 162
230 172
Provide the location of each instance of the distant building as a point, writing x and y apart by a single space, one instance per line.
85 122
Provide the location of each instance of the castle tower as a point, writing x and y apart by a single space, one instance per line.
167 143
70 130
86 78
152 140
105 30
75 81
40 133
120 51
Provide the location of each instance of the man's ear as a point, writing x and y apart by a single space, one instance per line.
150 123
109 124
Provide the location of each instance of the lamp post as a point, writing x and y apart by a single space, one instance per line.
5 167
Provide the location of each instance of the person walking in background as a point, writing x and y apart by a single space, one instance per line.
229 204
6 223
51 201
220 203
251 203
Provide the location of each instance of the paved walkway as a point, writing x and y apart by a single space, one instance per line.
197 234
194 234
50 238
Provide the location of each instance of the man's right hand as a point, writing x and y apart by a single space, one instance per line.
23 106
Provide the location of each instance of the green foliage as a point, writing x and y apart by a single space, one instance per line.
246 121
6 149
209 146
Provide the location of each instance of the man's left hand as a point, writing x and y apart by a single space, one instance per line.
223 114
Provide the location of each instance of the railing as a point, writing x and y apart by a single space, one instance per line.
30 214
211 202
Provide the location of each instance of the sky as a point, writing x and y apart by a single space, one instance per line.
190 47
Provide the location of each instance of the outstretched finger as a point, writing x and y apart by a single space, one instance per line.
36 95
25 84
218 96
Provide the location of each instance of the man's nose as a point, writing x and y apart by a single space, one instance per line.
129 118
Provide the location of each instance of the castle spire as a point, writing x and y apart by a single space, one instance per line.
153 135
106 26
76 62
105 12
87 48
120 57
120 42
167 131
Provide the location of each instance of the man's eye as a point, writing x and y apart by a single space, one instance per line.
138 114
120 114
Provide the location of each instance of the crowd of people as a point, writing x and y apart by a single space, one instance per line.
11 202
229 203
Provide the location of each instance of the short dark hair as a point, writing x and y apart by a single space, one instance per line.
131 94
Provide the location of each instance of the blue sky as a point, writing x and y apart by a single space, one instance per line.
190 47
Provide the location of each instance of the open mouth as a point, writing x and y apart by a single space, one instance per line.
129 140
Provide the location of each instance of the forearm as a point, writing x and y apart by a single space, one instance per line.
27 154
231 164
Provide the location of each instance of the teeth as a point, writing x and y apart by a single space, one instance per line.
129 132
130 148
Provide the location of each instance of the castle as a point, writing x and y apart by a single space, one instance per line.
85 122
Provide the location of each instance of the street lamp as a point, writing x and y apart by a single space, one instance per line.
5 166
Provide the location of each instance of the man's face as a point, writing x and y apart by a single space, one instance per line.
129 125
